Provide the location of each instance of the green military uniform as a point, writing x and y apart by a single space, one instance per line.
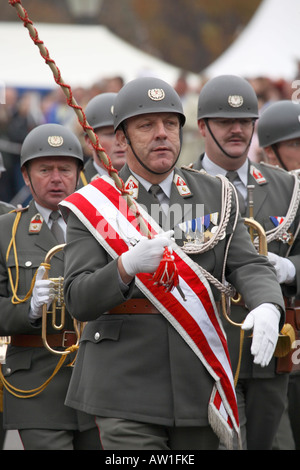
5 207
88 173
271 197
42 419
138 367
28 367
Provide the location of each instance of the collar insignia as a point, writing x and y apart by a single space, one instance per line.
132 186
257 175
181 186
36 223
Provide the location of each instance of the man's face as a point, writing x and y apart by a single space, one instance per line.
155 139
289 152
51 179
233 135
108 141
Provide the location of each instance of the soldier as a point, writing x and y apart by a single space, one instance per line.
143 367
51 160
99 114
227 111
279 134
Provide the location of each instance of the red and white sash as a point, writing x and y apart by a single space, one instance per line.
105 213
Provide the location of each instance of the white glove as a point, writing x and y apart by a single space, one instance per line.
42 293
264 320
285 269
146 255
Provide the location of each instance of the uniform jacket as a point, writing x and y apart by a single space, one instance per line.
28 368
270 198
137 366
5 207
89 171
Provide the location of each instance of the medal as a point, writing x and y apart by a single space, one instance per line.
286 237
200 230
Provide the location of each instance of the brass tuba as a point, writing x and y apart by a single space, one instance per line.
58 304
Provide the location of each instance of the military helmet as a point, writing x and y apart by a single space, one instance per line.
278 122
50 140
99 110
146 95
227 96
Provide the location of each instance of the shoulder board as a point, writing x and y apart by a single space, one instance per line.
273 167
201 172
20 209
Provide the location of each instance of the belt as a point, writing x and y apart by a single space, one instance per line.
64 340
135 306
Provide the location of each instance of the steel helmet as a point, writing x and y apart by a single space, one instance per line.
51 140
99 110
146 95
227 96
278 122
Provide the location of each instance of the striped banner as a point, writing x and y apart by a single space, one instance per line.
105 213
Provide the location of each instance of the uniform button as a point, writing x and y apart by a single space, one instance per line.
28 264
8 370
97 336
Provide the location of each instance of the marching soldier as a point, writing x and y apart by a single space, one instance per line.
99 114
227 111
34 392
279 136
153 364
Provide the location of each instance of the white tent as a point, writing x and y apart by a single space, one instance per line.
84 55
268 46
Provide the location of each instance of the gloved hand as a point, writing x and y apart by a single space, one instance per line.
146 255
42 293
285 269
264 320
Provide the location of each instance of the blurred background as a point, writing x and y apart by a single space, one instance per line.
99 45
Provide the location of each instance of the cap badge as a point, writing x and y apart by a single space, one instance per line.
156 94
235 101
55 140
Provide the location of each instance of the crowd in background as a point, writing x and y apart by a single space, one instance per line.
25 109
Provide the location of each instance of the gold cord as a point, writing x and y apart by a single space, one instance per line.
35 391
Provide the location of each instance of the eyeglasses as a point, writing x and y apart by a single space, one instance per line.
227 123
